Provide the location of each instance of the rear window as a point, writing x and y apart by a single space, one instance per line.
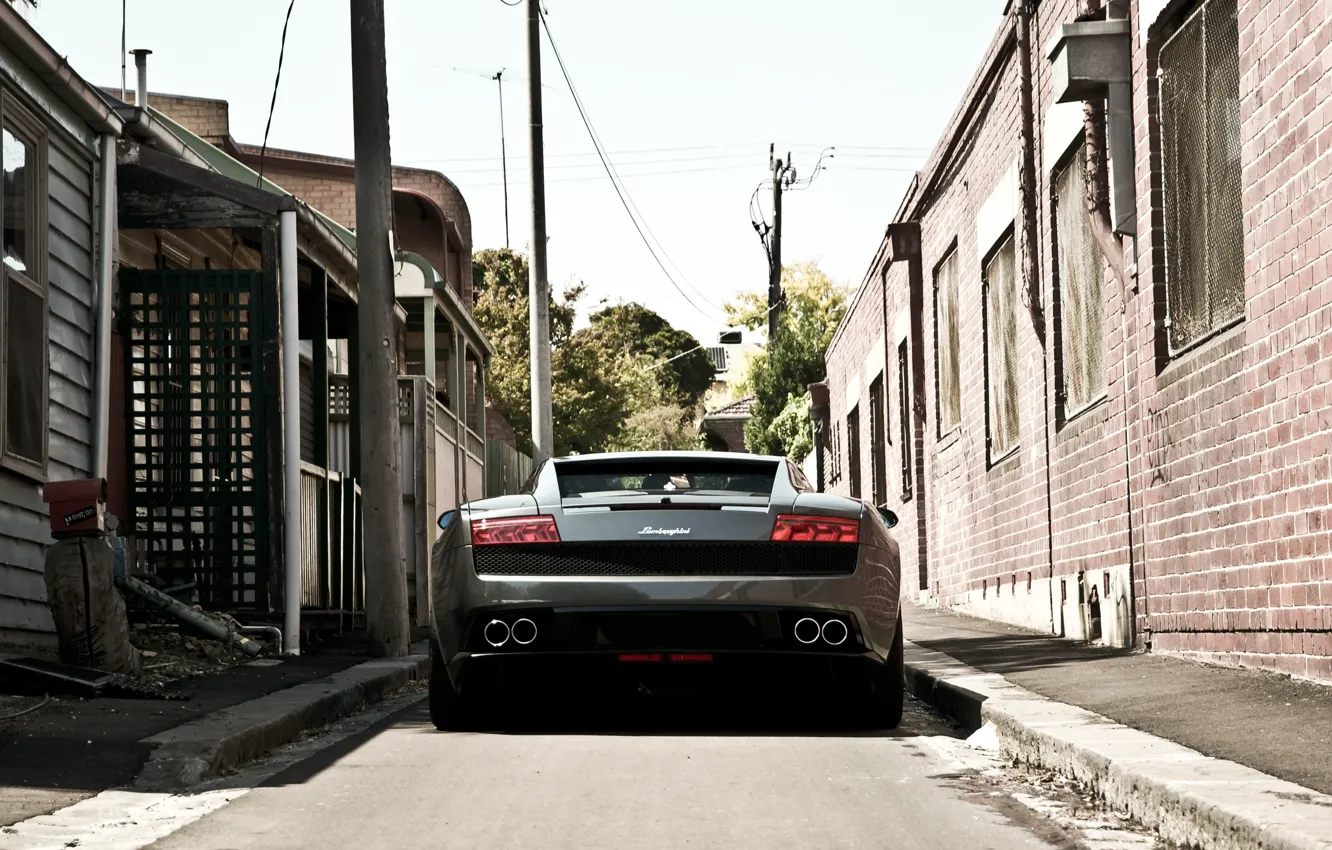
665 476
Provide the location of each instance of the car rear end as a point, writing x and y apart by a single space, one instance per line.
619 564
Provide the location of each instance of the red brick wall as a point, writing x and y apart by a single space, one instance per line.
1223 476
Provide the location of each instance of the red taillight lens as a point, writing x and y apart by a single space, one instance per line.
793 528
515 530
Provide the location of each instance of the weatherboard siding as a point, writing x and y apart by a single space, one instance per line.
25 620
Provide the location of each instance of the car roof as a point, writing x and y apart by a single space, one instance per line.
659 455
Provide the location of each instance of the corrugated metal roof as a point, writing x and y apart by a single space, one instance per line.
228 166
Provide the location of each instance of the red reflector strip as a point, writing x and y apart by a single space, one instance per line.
691 657
642 658
794 528
515 530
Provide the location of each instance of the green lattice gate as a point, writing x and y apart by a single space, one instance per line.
196 448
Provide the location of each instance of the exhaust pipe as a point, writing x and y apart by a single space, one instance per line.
806 631
524 632
834 633
496 633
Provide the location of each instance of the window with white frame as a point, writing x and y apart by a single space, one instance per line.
23 297
1200 152
1082 373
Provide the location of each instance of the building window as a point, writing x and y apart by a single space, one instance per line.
1200 151
879 440
1082 379
904 415
834 453
947 342
853 450
24 352
1001 378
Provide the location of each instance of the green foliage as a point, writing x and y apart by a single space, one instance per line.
814 307
791 429
634 330
587 405
609 389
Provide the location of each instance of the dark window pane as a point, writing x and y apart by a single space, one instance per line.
15 155
664 476
26 359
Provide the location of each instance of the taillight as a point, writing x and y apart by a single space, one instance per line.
793 528
515 530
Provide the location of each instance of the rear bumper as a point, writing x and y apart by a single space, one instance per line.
867 598
791 674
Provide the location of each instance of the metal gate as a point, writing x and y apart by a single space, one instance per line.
198 497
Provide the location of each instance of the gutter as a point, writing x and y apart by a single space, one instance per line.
57 73
143 127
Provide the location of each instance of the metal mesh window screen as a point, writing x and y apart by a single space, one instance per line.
1081 341
1001 349
879 440
904 414
947 342
1200 144
853 450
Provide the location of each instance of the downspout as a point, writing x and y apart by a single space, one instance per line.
291 432
1121 148
107 235
1033 295
1098 184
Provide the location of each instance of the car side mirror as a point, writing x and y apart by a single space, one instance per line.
889 518
444 520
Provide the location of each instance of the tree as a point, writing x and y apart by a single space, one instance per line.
633 330
814 307
588 404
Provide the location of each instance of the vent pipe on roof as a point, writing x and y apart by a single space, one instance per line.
141 67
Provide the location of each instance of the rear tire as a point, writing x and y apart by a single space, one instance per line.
883 709
448 710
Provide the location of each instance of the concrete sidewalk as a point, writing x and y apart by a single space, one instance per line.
70 749
1213 757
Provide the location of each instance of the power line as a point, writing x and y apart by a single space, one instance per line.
679 149
272 105
596 143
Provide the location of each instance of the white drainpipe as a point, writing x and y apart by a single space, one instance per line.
107 235
291 432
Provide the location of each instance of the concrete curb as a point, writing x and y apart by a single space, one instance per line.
227 739
1193 800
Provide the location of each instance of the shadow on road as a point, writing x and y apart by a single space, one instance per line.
682 717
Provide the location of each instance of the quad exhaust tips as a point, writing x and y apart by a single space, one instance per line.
497 632
806 631
524 632
833 632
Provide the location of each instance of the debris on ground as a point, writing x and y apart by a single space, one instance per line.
173 655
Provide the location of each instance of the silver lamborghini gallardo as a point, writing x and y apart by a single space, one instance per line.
647 567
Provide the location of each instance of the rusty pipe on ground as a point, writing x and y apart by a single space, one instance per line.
186 614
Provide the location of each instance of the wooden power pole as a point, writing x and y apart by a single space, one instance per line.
543 432
388 632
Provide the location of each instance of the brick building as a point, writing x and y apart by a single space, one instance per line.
1118 435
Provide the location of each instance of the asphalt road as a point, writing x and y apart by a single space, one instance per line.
659 780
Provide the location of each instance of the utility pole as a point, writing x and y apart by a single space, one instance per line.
543 436
781 172
385 571
504 158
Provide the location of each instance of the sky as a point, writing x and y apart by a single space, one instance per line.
686 97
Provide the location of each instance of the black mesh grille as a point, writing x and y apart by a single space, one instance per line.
667 559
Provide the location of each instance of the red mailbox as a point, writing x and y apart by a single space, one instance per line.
77 507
